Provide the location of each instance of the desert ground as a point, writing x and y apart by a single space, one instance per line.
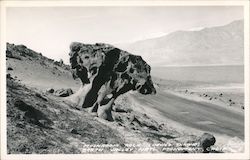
41 122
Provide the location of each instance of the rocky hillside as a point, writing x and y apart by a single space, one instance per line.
36 70
215 45
39 120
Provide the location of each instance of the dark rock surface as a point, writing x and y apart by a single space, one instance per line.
50 90
10 69
63 92
109 70
206 141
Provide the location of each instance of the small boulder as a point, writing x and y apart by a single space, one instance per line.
10 69
41 96
205 95
63 92
74 131
9 76
50 90
206 141
232 103
161 126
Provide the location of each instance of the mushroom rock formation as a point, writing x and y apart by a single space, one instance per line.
106 72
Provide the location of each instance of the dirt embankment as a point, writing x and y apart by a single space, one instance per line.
44 125
39 122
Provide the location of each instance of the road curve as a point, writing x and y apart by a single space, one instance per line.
199 115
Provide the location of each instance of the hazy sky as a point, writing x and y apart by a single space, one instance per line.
50 30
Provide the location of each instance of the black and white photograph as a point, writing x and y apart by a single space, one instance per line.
129 79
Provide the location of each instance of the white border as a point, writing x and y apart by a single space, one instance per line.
5 4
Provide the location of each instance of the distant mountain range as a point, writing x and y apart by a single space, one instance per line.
220 45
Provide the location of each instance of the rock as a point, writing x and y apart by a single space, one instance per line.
74 131
118 119
105 66
135 121
152 127
50 90
40 96
10 69
134 128
206 141
161 126
63 92
121 110
8 76
18 51
56 63
231 103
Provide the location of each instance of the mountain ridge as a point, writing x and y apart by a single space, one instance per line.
213 45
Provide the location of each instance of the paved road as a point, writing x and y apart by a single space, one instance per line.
199 115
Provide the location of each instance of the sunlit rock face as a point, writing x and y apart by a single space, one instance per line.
106 72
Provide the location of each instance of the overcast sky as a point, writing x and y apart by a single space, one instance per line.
50 30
